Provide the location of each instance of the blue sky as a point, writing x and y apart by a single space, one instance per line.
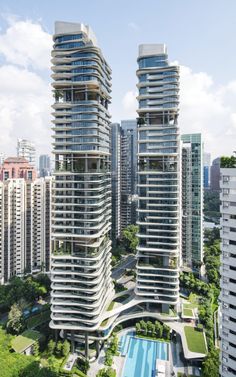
200 35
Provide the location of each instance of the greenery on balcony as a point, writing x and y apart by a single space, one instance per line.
111 306
57 94
195 340
228 162
140 121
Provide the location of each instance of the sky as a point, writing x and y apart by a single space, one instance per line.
200 36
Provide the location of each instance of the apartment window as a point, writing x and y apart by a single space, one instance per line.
225 178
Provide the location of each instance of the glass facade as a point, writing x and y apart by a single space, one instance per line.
81 200
192 201
158 180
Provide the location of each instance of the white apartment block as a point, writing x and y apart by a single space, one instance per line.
81 202
228 273
24 227
26 149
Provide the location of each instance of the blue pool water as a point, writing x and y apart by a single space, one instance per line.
141 355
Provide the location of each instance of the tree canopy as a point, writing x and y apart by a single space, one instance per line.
130 238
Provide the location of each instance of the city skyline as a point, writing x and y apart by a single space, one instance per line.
207 91
120 246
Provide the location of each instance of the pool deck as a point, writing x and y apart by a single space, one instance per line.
144 364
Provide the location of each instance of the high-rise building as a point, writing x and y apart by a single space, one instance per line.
129 129
215 175
116 180
228 273
159 221
25 207
206 170
81 203
44 165
128 172
192 201
124 175
26 149
2 158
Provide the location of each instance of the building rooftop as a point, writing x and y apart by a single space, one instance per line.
152 49
62 27
16 160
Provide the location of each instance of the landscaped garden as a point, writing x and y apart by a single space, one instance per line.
156 330
195 340
25 340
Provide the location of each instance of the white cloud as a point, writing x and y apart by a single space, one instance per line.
26 44
25 96
25 101
129 103
204 107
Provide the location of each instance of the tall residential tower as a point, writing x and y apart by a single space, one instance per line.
81 202
228 273
158 178
192 201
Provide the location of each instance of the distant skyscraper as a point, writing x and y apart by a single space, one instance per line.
116 180
129 129
215 175
228 273
2 158
128 172
82 287
124 172
158 252
206 170
192 200
25 207
44 165
26 149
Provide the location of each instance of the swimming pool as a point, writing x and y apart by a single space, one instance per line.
141 355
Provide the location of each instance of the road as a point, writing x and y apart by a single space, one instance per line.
128 262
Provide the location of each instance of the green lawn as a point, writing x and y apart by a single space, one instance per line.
195 340
188 312
26 339
38 319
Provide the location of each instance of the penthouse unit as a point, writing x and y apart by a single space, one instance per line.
158 178
228 273
81 201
